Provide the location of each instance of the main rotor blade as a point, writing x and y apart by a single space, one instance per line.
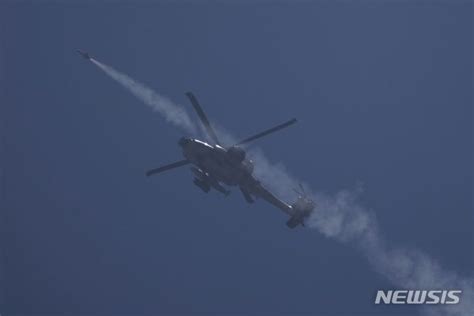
268 131
203 117
302 188
167 167
297 192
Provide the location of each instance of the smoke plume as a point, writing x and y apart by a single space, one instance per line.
171 111
338 216
341 217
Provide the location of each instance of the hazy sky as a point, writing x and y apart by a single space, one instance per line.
383 94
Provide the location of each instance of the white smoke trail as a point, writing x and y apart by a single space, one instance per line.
171 111
337 216
342 218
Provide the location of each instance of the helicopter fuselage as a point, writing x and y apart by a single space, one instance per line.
215 166
218 163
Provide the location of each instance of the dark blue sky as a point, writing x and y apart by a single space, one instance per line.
383 94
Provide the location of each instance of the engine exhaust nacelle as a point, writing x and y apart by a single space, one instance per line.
237 154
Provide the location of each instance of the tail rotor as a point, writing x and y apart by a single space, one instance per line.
302 208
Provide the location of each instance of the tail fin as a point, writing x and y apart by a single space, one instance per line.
302 209
293 222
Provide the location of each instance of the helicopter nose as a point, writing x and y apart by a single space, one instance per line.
183 141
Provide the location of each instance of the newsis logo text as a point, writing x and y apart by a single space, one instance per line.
418 297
